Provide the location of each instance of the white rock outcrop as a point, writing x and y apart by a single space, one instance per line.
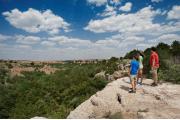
100 75
149 102
37 117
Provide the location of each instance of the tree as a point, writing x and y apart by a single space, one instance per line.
163 46
163 51
113 59
175 48
131 54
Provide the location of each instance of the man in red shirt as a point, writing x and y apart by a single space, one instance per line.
154 62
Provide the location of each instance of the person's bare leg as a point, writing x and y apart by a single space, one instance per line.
135 84
138 76
154 76
141 76
132 83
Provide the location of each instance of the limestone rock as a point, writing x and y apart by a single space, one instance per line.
117 74
148 102
110 78
38 117
100 75
120 67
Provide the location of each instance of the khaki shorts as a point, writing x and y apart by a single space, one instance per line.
133 77
154 70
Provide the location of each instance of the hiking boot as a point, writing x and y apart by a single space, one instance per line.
132 91
154 84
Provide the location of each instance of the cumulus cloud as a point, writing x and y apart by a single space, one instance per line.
127 40
63 47
167 38
97 2
109 11
23 46
127 7
70 42
48 43
174 13
134 22
133 30
27 39
4 37
156 1
115 2
107 43
34 21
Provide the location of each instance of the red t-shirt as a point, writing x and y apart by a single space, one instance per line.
154 57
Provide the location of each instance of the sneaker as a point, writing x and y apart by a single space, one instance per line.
140 83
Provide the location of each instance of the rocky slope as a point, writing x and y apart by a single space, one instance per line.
114 101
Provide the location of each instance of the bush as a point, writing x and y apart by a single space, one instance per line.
171 74
51 96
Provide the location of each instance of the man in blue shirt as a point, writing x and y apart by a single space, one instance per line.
133 73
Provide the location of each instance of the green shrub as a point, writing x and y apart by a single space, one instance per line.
171 74
51 96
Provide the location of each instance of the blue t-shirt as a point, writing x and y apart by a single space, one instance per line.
134 67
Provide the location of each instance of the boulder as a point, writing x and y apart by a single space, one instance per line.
100 75
117 74
120 67
38 117
110 78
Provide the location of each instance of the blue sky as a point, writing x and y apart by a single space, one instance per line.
84 29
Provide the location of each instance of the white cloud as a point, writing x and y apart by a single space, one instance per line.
133 30
127 7
34 21
156 1
27 39
48 43
134 22
70 42
97 2
174 13
144 45
109 11
168 38
165 38
115 2
127 40
4 37
76 48
23 46
107 43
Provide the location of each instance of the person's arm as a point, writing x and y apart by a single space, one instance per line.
129 69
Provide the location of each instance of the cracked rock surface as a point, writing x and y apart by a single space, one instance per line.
114 101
